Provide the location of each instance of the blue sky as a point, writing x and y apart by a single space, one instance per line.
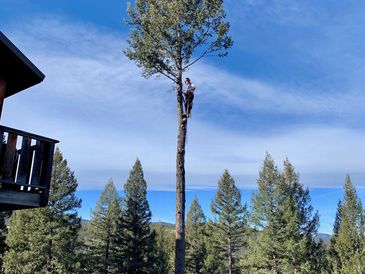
292 85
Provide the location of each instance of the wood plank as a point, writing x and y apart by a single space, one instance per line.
19 198
10 154
15 166
10 183
37 164
25 162
47 171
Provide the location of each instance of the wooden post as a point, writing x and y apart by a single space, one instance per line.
37 164
25 161
47 171
10 157
2 93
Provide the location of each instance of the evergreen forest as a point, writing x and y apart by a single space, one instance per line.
277 233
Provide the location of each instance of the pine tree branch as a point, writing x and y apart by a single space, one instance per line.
197 59
166 75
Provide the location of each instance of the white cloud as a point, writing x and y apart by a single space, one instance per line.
308 37
105 115
247 94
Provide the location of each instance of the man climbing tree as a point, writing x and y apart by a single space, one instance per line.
189 97
164 36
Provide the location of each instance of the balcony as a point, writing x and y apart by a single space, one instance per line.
25 169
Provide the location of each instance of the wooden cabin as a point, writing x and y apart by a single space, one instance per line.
25 158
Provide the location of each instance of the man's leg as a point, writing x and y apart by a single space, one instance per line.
188 108
185 110
190 104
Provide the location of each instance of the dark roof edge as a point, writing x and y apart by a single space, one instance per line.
21 56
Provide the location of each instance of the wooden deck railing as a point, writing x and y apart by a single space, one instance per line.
25 168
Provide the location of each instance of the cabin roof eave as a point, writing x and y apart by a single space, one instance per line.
19 72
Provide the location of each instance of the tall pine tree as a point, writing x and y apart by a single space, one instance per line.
44 240
263 251
229 224
100 233
196 252
303 253
163 39
348 241
136 238
285 223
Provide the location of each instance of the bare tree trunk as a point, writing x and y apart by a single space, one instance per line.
180 187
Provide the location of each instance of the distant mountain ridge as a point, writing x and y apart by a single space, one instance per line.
320 236
326 238
164 224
